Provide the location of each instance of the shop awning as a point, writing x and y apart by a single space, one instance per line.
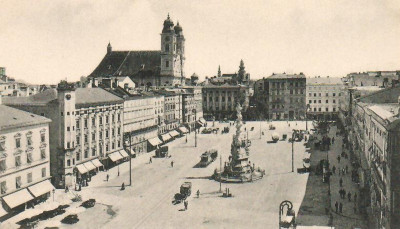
41 188
155 141
115 156
183 129
174 133
131 151
96 162
202 120
17 198
124 153
82 169
89 165
165 137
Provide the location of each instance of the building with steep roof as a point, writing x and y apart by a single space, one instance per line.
24 160
158 68
86 130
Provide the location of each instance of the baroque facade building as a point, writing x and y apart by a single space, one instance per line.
24 160
159 68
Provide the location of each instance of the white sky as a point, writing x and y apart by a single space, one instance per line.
46 41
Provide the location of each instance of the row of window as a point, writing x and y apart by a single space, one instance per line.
86 137
320 94
319 101
29 141
326 109
18 160
85 121
282 84
18 181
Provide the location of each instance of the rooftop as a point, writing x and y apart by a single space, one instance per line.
14 118
324 81
287 76
82 96
128 63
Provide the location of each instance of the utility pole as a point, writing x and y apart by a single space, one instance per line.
220 173
293 151
260 127
130 159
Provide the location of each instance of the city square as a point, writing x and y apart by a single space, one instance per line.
147 203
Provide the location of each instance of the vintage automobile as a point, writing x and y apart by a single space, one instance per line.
275 137
184 191
70 219
225 130
208 157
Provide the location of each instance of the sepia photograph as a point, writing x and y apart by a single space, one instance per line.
214 114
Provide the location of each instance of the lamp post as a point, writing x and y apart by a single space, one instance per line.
195 131
130 156
54 191
293 135
308 107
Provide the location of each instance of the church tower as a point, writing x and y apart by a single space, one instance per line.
109 48
169 57
180 47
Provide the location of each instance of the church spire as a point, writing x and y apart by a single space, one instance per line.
219 70
109 48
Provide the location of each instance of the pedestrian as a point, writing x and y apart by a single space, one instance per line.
123 186
347 169
349 196
340 207
338 159
336 207
339 171
343 171
334 169
198 193
341 182
355 198
150 161
333 140
172 164
107 177
185 203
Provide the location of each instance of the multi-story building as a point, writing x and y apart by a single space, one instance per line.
374 138
260 99
24 160
287 96
219 102
192 108
86 130
323 96
172 108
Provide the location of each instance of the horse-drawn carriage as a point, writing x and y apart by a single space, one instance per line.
225 130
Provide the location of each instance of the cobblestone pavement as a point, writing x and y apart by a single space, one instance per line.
350 216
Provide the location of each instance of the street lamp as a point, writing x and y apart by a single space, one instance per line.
129 135
195 132
293 135
308 107
283 221
54 191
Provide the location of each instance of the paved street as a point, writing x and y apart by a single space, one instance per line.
148 203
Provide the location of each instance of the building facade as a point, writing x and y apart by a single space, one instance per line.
87 128
323 96
172 109
24 160
287 96
382 79
219 102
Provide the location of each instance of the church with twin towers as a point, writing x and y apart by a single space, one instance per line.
158 68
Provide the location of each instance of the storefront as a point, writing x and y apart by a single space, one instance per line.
166 138
41 191
153 143
18 200
174 133
183 130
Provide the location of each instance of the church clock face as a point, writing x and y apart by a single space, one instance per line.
68 96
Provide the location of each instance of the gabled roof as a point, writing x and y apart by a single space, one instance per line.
128 63
14 118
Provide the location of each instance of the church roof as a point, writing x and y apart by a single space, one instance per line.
128 63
